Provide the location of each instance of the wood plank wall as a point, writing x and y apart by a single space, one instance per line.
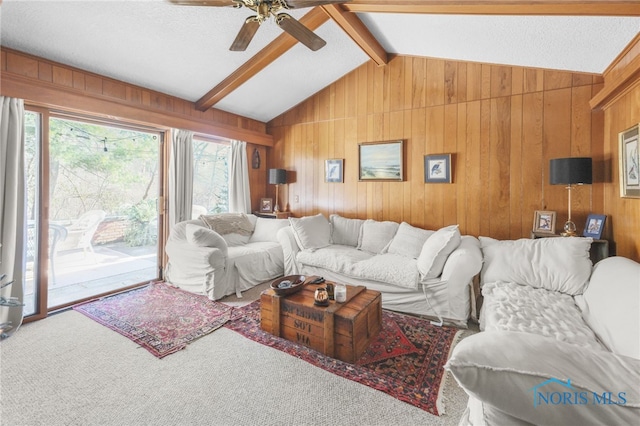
51 84
502 124
54 85
621 111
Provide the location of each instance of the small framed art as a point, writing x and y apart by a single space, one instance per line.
437 168
630 163
544 222
266 205
333 170
594 226
381 161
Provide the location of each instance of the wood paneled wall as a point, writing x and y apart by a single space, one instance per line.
50 84
620 100
502 124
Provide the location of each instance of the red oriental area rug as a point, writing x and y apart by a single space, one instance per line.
406 360
160 318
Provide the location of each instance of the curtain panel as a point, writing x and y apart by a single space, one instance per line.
180 176
239 195
12 209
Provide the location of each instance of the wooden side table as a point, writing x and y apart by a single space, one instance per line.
278 215
599 248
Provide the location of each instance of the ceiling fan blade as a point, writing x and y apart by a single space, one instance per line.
298 4
303 34
204 2
245 35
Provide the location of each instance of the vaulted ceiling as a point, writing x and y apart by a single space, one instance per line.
184 50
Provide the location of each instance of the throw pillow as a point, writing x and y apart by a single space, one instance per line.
267 229
228 223
436 250
345 231
375 236
311 232
556 264
409 240
203 237
515 372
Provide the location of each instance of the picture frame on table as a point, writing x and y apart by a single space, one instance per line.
629 159
381 161
437 168
266 205
544 222
594 226
334 170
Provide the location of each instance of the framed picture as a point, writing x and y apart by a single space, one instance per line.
629 163
266 205
333 170
381 161
594 226
437 168
544 222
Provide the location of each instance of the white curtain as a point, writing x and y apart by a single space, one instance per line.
239 196
12 207
180 176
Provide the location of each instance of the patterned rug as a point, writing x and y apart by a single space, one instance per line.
405 361
160 318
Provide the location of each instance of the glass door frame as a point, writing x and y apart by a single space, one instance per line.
41 264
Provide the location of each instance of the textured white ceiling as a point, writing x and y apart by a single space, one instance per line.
183 51
573 43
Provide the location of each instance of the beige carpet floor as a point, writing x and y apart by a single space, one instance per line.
70 370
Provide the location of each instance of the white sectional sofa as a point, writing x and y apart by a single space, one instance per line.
224 254
560 340
417 271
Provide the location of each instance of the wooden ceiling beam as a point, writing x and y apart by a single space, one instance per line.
257 63
499 7
359 33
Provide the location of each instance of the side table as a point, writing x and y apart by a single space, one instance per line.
274 215
599 248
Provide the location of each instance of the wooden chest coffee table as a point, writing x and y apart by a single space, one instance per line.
340 330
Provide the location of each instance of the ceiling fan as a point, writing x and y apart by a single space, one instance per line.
264 9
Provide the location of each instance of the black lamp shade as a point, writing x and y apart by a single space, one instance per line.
277 176
570 171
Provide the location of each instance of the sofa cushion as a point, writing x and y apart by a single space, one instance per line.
515 307
557 264
387 268
409 240
204 237
375 235
311 232
436 249
335 258
611 303
345 231
509 371
266 230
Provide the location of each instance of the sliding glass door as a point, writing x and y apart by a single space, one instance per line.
99 185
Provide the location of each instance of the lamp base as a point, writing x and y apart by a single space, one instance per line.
569 229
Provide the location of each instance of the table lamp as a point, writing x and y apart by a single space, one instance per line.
570 171
277 177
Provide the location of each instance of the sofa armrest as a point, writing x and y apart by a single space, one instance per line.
189 256
290 249
545 381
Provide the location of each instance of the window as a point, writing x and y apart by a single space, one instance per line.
210 177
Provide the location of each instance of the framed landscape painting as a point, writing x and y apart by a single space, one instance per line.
629 163
381 161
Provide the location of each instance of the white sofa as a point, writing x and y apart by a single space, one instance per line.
403 262
559 341
242 252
